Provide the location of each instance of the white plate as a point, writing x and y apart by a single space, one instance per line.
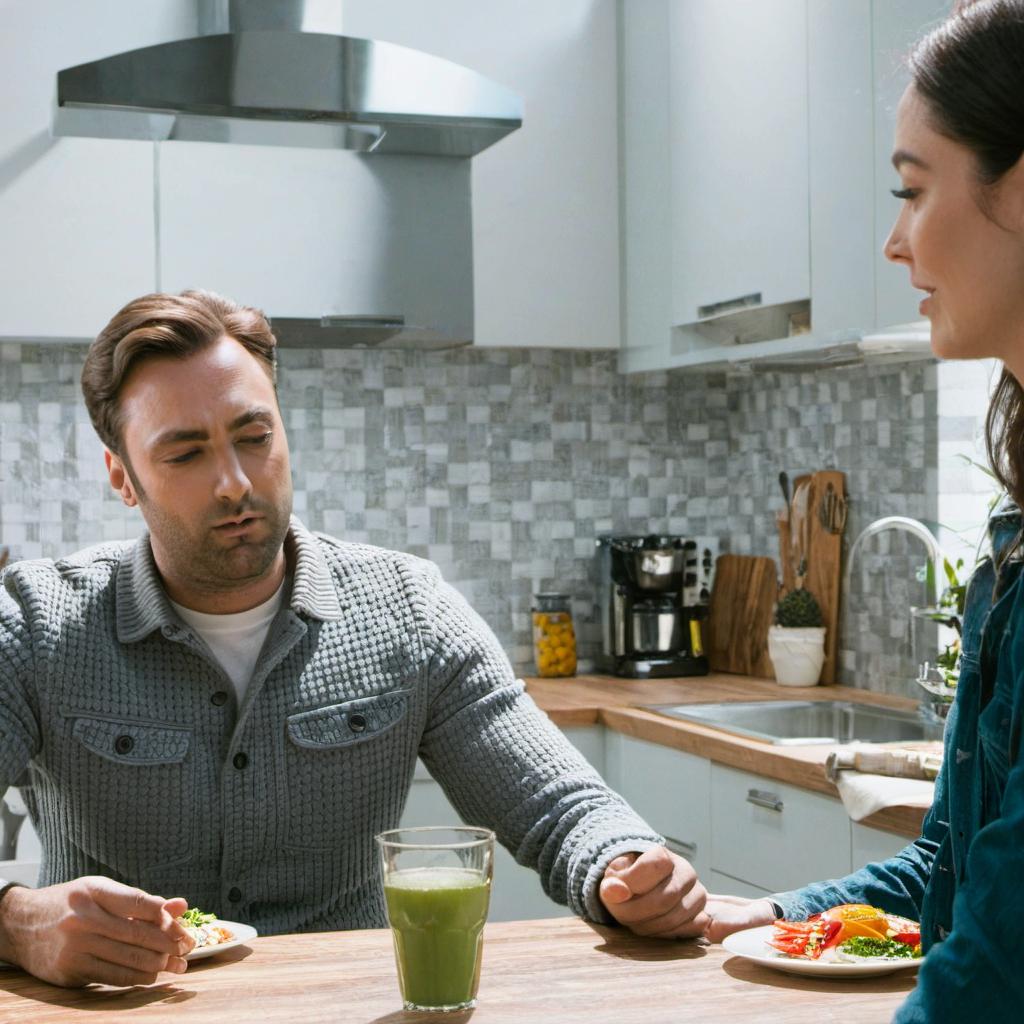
751 944
242 933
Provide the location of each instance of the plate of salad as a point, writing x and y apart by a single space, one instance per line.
212 935
853 939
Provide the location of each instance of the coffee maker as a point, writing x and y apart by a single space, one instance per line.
654 592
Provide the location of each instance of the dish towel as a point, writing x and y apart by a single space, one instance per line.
863 794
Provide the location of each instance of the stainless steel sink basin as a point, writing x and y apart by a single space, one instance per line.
808 721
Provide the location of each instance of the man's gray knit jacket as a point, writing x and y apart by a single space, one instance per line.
138 764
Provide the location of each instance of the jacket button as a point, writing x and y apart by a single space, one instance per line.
123 744
240 760
234 894
357 722
219 699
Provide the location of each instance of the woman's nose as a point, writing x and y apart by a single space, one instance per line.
896 248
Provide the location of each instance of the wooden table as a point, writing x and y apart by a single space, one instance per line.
562 970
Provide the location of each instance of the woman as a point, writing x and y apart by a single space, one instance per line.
960 233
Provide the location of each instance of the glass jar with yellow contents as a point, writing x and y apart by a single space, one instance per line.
554 639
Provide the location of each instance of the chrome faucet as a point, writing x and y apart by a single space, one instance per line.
907 525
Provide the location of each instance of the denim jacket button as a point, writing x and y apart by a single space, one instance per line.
124 744
357 722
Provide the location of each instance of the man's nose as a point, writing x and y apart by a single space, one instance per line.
232 484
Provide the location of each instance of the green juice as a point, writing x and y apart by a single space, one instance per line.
437 916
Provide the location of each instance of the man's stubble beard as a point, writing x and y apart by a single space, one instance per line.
206 563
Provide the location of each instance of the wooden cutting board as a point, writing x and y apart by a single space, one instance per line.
803 535
742 602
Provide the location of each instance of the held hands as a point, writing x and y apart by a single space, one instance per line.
93 930
656 894
728 914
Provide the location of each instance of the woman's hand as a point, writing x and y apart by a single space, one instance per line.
728 914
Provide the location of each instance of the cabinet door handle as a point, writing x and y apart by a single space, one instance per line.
682 847
762 798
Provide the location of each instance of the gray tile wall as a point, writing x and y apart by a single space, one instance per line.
503 465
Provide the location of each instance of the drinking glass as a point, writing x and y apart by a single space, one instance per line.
437 885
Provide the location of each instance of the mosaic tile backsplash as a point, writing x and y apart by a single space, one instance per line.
504 465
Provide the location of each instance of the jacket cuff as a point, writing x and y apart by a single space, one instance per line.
592 909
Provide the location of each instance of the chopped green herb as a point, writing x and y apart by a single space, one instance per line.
864 945
195 917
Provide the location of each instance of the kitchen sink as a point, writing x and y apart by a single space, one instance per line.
808 721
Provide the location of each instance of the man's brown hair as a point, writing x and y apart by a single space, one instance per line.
164 325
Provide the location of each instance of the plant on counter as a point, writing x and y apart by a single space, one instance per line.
796 643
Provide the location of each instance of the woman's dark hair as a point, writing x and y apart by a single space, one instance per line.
970 74
161 325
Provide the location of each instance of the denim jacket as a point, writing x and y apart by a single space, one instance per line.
962 879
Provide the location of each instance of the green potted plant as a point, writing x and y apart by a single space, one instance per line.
796 643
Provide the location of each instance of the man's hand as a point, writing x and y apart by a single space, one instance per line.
655 893
728 914
93 930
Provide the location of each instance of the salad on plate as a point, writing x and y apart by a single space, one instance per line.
851 933
205 928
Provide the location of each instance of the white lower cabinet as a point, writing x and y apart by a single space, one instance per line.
774 836
725 885
516 894
668 788
873 844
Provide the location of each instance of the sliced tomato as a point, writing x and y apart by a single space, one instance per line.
791 947
833 931
909 938
794 927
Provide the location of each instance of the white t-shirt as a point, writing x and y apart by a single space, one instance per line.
235 639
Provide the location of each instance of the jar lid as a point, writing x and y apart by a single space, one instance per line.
550 602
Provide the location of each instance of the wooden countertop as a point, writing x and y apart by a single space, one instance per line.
558 970
609 701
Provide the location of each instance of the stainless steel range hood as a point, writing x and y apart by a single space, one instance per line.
278 72
282 73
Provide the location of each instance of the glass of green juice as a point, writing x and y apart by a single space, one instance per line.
437 885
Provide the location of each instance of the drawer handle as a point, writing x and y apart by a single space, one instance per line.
680 846
764 799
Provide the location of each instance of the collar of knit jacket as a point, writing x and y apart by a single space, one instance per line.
142 604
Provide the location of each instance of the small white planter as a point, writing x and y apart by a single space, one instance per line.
797 654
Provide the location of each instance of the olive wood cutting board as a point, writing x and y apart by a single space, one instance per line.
805 534
742 601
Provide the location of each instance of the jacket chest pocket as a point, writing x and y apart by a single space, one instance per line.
129 799
342 763
994 730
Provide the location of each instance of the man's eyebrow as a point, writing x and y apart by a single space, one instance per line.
904 156
257 412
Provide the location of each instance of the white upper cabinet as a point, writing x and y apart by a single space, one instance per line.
307 232
774 184
738 137
896 27
76 215
545 199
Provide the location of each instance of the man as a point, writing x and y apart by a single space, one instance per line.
225 712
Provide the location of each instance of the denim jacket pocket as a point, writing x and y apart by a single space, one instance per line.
129 796
994 730
339 759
